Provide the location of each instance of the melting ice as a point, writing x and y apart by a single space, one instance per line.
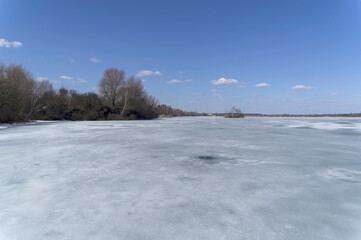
182 178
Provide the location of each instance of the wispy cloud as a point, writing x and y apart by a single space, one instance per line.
242 84
66 77
301 87
262 85
41 79
174 81
215 90
144 73
8 44
73 80
56 81
224 81
79 80
71 60
188 80
94 60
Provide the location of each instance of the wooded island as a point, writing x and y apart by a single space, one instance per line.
22 99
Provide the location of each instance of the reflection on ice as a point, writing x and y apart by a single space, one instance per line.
182 178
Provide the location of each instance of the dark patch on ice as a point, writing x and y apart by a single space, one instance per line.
13 181
343 123
304 127
209 159
214 159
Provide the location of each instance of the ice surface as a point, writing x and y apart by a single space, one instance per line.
182 178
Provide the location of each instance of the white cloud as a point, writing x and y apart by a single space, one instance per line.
300 87
144 73
216 94
188 80
74 80
262 85
17 44
224 81
8 44
94 60
95 89
71 59
41 79
180 72
174 81
66 77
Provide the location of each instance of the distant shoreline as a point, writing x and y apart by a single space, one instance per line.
34 122
358 115
288 115
303 115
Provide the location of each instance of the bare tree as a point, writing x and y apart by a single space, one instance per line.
234 113
135 91
125 104
15 93
112 86
235 110
38 89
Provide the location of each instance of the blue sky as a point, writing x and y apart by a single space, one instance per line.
301 56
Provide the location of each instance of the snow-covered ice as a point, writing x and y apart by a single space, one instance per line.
182 178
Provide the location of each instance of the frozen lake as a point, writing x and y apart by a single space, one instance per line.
182 178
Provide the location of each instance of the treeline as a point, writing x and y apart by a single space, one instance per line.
22 99
304 115
174 112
